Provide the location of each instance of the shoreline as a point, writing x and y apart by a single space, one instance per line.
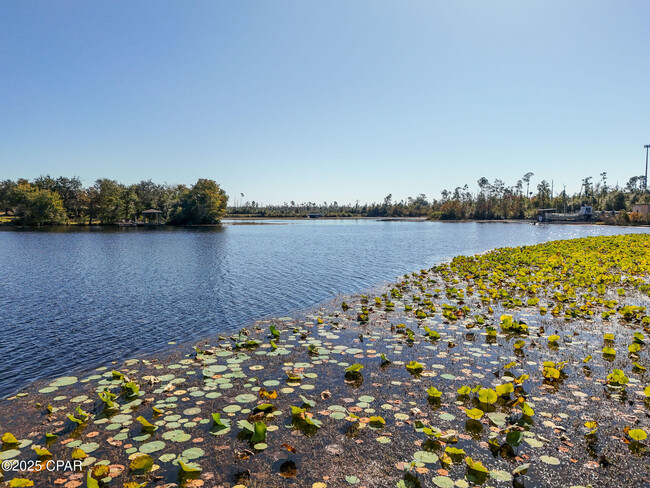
332 433
242 220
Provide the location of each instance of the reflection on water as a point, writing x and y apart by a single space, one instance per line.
78 297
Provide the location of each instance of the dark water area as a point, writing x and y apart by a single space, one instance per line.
77 298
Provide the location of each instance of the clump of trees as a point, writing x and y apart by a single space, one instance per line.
497 200
50 201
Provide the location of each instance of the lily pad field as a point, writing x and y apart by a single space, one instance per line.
521 367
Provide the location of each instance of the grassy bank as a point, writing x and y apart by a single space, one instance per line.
522 366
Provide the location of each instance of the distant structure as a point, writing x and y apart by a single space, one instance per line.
314 215
645 180
642 208
551 215
149 215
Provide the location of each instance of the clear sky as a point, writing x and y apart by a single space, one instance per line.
325 100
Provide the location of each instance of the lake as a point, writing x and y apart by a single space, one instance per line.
76 298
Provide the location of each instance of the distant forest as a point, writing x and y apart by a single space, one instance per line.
489 201
46 201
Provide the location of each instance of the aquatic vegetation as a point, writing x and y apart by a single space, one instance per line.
504 390
509 387
617 377
527 410
414 367
487 396
638 434
552 371
433 392
474 413
8 439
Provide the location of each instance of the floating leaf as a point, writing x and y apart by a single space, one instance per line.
514 437
78 454
527 410
443 482
41 452
433 392
259 432
192 453
454 451
354 368
146 425
476 466
426 457
504 390
8 439
189 468
377 421
550 460
414 367
617 377
487 396
306 401
520 470
141 462
638 434
500 475
90 481
609 351
156 446
474 413
131 389
20 483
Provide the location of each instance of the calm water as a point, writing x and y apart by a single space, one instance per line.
77 298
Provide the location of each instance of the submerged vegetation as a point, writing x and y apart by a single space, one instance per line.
522 366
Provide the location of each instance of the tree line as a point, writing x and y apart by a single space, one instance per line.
487 201
47 200
51 201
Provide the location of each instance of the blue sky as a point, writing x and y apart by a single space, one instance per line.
324 101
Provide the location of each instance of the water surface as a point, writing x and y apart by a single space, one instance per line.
76 298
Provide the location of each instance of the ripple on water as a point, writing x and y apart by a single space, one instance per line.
75 298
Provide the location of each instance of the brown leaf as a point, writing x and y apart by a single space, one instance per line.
289 447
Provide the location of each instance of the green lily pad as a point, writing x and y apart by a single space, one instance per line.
500 475
443 482
193 453
550 460
426 457
153 446
65 381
